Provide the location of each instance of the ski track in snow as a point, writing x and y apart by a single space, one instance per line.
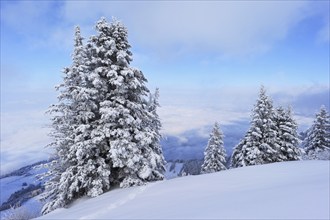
131 196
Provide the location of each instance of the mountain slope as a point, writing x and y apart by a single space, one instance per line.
290 190
20 186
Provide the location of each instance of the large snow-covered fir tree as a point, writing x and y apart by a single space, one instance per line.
123 107
214 154
287 136
105 131
74 172
317 142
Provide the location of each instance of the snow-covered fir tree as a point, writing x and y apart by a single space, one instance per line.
272 136
104 130
67 121
214 154
73 119
287 136
317 142
155 126
239 156
260 147
123 107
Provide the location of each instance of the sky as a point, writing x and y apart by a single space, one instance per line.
208 58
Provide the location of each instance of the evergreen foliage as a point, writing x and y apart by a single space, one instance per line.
272 136
287 136
214 154
239 153
154 124
105 131
70 123
317 142
258 145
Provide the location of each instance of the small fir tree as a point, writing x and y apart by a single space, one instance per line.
239 156
156 157
272 136
214 154
259 147
317 142
287 136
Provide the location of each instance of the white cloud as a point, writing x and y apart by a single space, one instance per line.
183 110
25 16
23 138
233 28
177 120
224 27
24 132
193 109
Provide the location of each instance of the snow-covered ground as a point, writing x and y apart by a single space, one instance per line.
290 190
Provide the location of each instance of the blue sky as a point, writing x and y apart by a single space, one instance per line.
208 58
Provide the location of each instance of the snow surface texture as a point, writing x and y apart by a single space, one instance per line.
287 190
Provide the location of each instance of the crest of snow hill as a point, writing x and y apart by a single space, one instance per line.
106 129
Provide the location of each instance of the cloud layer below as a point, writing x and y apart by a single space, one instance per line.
24 131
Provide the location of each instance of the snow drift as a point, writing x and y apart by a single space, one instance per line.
288 190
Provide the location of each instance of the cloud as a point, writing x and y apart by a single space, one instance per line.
23 138
177 120
24 129
322 10
37 24
193 109
183 110
225 28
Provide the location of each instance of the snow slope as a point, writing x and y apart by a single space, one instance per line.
290 190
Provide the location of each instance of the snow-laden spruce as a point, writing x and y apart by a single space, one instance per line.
106 132
272 136
124 116
73 120
155 126
259 144
317 142
287 136
239 156
214 154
